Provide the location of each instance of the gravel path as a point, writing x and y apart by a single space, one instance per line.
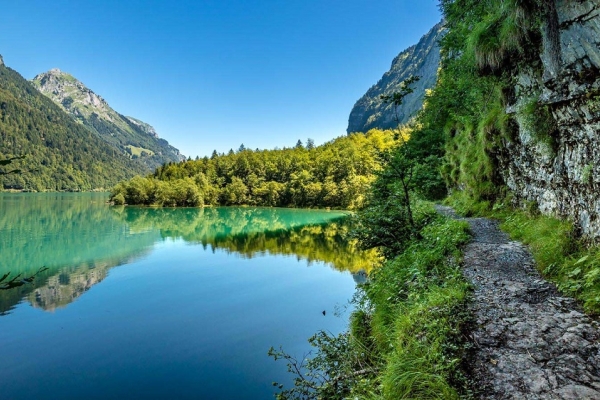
529 341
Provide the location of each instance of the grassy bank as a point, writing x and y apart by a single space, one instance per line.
560 255
405 337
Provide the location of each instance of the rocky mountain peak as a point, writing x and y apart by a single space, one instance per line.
71 94
131 137
147 128
1 60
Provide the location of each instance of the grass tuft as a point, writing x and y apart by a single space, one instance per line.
417 304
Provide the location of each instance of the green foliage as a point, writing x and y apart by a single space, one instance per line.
406 337
397 98
418 301
118 199
571 264
183 192
587 173
331 373
502 32
389 219
138 151
8 161
485 45
336 174
537 119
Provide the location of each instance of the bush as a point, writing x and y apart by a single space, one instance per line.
118 199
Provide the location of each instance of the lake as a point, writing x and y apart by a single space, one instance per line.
133 302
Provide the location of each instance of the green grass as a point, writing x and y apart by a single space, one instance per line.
137 151
561 257
405 339
417 312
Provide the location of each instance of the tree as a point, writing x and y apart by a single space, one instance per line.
399 163
235 193
397 98
388 221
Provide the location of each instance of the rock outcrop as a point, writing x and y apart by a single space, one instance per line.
147 128
421 60
553 159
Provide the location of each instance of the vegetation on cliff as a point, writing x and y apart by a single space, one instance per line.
405 337
483 52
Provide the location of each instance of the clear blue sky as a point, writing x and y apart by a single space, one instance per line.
212 74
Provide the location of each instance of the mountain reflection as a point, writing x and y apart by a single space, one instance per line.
74 236
312 235
69 242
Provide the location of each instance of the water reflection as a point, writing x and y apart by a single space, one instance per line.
312 235
69 242
66 235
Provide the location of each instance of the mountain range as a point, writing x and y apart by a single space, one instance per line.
71 138
137 139
74 140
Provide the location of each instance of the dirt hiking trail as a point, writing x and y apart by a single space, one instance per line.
529 341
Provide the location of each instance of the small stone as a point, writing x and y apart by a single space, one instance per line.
577 392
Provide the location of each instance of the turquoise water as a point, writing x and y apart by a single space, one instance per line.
163 303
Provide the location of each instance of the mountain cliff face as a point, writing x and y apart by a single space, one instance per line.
421 60
129 136
561 172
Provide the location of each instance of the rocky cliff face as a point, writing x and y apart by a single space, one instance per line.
553 159
132 137
147 128
421 60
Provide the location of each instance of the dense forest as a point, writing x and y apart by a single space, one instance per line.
335 174
60 154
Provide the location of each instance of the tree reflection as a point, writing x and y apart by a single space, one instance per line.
315 236
79 239
8 282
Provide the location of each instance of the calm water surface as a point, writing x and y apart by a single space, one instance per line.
163 303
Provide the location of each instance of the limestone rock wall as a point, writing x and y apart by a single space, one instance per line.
422 60
559 168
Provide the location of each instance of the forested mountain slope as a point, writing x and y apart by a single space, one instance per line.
132 137
60 153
